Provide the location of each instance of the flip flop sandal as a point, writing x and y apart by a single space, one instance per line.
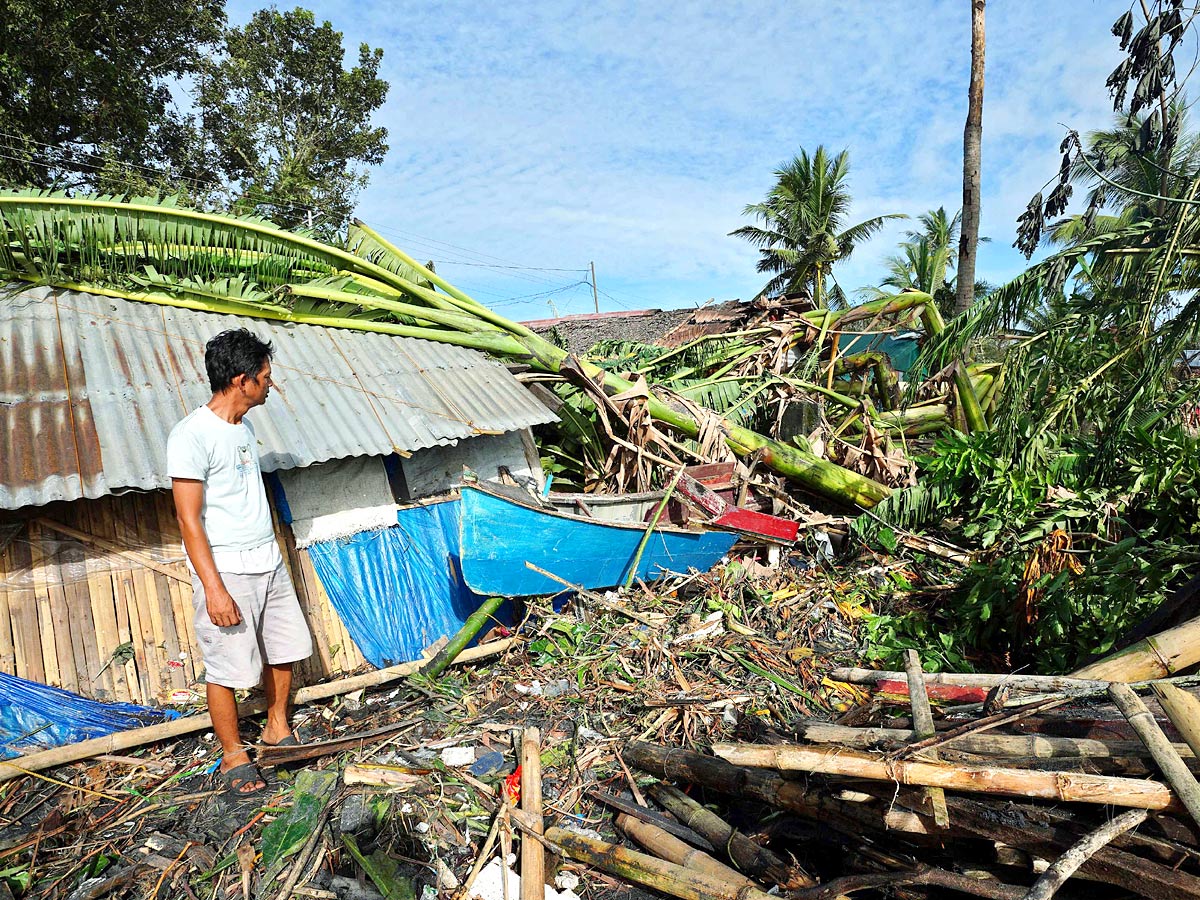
289 741
240 776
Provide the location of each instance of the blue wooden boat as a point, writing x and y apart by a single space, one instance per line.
500 532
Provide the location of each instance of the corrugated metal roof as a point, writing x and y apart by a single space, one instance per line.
90 387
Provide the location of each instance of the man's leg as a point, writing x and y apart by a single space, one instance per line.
277 685
222 708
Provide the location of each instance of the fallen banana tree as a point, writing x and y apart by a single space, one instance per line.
161 253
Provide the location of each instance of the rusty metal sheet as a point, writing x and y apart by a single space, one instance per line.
91 386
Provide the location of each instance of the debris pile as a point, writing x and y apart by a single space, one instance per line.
397 786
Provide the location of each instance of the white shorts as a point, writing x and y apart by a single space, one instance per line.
272 629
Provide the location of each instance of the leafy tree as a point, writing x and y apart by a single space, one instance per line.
85 87
803 234
290 125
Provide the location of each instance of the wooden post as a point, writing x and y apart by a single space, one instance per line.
1172 765
533 856
923 725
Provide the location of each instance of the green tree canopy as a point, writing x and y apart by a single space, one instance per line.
86 85
803 232
290 125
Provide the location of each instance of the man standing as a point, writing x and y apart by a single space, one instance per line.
247 618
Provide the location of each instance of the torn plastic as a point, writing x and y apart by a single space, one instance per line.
36 716
53 559
399 589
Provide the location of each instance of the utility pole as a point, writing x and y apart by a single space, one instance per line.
595 296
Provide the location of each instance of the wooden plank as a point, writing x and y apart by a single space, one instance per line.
311 603
181 598
144 673
103 524
159 596
22 606
148 631
45 620
7 650
104 612
80 622
309 670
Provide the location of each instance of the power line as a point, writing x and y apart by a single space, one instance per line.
481 258
528 268
530 297
522 272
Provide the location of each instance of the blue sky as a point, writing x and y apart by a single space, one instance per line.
548 135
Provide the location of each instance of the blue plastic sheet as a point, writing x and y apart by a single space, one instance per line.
36 716
399 589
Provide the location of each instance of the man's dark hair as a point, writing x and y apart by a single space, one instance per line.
233 353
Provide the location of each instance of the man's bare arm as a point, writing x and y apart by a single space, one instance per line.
189 501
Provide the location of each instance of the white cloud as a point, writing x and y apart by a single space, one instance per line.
633 134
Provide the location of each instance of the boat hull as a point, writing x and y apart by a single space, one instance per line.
499 536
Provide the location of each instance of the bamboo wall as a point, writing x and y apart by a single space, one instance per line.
109 582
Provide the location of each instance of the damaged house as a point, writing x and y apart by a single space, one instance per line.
363 444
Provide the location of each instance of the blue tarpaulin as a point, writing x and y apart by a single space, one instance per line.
36 716
398 589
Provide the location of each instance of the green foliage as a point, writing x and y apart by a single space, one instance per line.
291 128
383 870
287 834
1133 528
85 89
887 637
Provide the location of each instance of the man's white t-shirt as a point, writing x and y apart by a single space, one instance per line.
235 514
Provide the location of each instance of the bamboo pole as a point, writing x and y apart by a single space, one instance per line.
672 849
1046 684
1072 787
1067 864
641 547
646 870
533 856
462 637
1183 709
747 855
1157 656
977 818
807 798
136 737
922 716
1034 746
1173 767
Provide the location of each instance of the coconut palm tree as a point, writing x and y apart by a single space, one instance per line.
801 233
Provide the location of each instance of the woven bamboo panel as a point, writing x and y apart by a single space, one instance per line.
95 597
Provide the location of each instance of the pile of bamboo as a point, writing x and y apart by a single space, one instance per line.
1010 800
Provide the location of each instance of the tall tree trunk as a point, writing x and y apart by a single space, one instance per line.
972 137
